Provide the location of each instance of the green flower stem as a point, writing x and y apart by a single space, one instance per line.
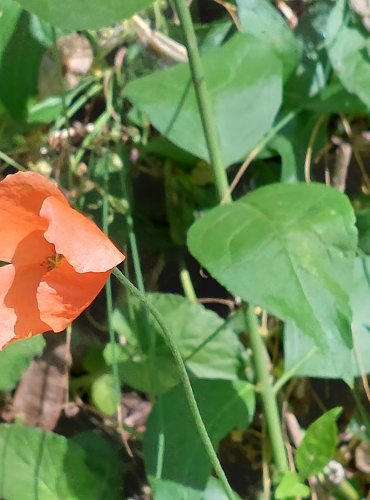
203 99
271 411
184 378
287 375
214 149
112 340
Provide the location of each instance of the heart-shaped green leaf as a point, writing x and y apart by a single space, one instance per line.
210 349
318 445
289 249
244 78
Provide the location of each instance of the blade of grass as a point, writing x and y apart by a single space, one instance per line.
112 340
127 193
9 161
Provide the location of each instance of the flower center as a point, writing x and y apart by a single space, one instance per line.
53 261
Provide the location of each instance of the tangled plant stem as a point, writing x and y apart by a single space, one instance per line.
184 379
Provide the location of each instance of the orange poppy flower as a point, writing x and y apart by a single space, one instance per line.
57 259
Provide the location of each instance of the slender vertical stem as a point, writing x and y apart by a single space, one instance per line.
267 392
112 341
215 154
131 232
149 332
184 378
204 101
139 278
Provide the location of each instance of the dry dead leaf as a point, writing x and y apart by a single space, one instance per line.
76 56
41 393
135 411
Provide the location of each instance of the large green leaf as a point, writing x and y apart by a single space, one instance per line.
39 465
244 79
289 249
185 469
341 361
20 56
261 19
348 49
10 12
15 359
83 14
209 348
318 445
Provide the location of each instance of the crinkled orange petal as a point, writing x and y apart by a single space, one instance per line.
64 293
7 314
21 297
81 242
30 264
21 198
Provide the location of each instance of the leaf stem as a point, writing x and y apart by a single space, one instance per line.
185 381
271 411
204 101
292 371
257 150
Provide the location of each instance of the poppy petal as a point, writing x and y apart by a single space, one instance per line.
29 190
33 250
7 314
64 293
21 197
81 242
21 298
